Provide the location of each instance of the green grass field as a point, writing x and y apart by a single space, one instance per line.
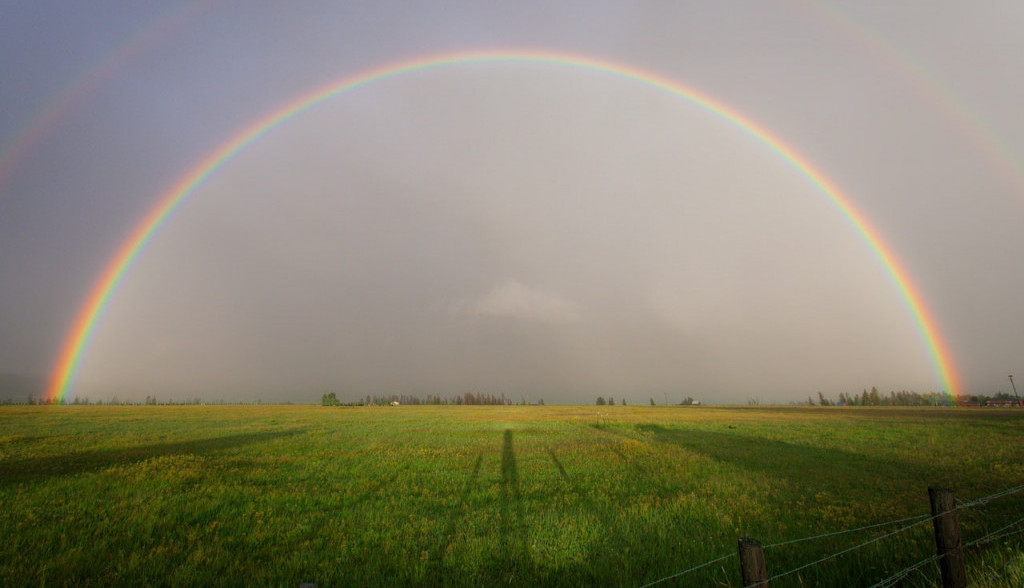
281 495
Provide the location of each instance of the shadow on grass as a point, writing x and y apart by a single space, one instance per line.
630 550
499 511
558 464
16 439
37 469
650 476
455 513
510 563
849 473
473 477
511 497
513 564
861 488
625 551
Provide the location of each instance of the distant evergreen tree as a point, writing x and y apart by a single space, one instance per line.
874 399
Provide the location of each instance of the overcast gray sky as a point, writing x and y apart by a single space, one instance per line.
519 228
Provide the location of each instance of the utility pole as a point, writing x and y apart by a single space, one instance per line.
1014 389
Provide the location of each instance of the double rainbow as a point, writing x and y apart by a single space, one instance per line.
78 339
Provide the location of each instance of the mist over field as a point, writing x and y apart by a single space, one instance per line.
529 227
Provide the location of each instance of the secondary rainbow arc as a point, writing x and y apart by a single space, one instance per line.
78 338
42 124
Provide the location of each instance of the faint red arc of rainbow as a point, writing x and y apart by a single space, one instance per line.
86 320
40 126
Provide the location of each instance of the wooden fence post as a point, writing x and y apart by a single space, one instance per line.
752 566
947 538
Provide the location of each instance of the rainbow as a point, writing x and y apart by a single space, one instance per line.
47 119
994 151
78 338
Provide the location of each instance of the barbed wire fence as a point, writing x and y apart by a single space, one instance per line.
1008 530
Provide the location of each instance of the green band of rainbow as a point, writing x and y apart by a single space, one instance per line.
85 323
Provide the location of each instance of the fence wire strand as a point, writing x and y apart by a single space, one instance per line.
991 497
921 519
847 550
994 536
835 533
693 569
1003 536
895 578
891 580
976 502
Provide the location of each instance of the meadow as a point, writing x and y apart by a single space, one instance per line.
482 495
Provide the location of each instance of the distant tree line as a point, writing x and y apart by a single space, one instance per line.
981 399
114 401
610 401
468 398
865 398
329 399
905 398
